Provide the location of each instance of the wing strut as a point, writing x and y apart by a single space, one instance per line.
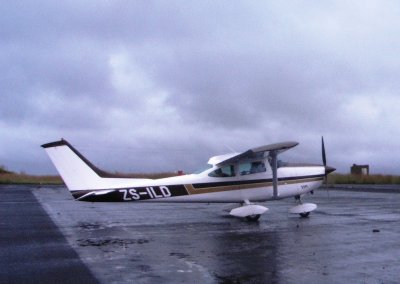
274 164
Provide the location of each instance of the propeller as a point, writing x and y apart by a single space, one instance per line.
323 152
328 169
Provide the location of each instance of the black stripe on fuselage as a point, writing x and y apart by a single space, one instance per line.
131 193
156 192
244 182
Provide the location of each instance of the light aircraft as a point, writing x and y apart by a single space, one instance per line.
245 179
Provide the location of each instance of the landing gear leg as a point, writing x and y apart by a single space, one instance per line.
303 214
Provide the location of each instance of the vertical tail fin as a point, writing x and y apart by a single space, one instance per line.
76 171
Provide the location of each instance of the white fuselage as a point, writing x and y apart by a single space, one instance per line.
292 181
263 191
231 178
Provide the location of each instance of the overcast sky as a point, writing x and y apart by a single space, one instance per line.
147 86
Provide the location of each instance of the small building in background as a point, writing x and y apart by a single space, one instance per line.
359 169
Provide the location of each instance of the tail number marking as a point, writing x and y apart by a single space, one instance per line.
144 193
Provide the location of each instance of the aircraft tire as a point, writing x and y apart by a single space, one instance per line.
304 215
253 218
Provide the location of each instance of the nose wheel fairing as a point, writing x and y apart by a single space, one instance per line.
303 209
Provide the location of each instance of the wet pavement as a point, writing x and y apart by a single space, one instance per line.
32 249
352 237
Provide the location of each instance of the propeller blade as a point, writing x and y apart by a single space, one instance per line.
323 152
328 169
324 162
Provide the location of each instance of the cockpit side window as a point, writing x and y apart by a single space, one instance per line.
227 171
251 168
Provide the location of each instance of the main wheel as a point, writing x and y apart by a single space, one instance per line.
305 214
253 218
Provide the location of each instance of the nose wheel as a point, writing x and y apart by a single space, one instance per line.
304 215
253 218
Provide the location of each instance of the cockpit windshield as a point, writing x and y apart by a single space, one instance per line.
226 171
199 171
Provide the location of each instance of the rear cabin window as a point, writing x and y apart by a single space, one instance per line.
251 168
227 171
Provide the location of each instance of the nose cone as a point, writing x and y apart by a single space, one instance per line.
329 169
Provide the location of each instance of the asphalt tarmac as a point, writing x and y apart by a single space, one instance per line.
352 237
32 249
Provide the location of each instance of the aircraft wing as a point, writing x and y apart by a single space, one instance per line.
259 152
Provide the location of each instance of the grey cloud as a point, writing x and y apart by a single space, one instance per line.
198 75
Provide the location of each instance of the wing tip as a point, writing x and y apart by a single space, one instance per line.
60 142
277 146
